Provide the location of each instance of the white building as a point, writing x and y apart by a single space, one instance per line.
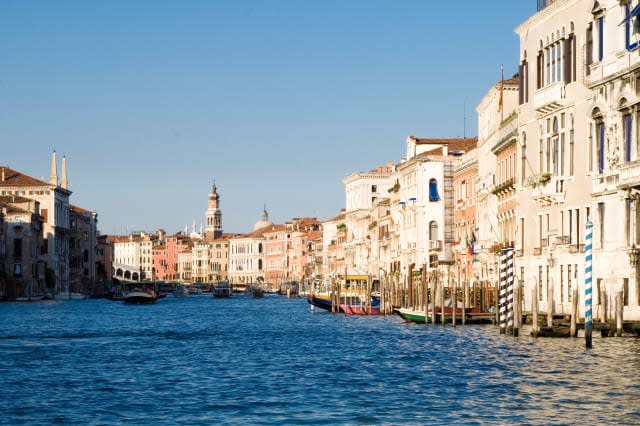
555 145
362 191
246 255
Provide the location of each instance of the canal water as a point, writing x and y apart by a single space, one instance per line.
271 361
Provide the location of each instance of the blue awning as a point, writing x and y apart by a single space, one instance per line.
632 14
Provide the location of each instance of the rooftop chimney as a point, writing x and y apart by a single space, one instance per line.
3 174
63 181
53 180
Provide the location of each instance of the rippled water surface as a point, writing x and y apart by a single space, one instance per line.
200 360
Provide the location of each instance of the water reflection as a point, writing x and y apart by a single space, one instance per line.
201 360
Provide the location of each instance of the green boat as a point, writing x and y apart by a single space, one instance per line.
412 315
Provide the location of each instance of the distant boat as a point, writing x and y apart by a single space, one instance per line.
194 289
140 293
222 289
69 295
180 291
115 293
413 315
257 292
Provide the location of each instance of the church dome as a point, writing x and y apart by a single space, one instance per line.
264 220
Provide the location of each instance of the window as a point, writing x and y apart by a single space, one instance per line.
589 47
433 230
571 152
523 83
374 188
569 283
602 222
523 159
628 131
561 283
569 58
625 291
433 190
556 148
600 38
17 270
631 22
17 248
600 145
540 283
627 216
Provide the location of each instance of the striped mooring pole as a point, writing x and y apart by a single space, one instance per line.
588 315
509 285
502 304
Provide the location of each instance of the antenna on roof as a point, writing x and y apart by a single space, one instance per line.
464 119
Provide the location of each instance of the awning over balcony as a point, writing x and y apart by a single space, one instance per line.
632 14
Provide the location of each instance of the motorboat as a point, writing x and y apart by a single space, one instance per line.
140 293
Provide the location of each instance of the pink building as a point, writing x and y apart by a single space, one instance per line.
275 255
174 245
160 264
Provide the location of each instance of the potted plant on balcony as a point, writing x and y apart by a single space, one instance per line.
541 179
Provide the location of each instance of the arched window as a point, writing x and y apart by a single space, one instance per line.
554 150
523 158
599 138
433 190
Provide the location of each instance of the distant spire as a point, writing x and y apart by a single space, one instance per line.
265 215
53 180
63 181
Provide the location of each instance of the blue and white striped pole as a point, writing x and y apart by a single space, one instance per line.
588 317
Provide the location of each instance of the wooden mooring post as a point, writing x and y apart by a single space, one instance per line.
425 292
465 298
574 312
517 308
619 310
550 306
534 311
442 288
434 285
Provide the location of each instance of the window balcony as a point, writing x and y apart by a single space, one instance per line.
550 98
549 190
629 174
435 245
576 248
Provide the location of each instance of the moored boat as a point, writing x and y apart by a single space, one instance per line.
140 293
222 289
413 315
360 308
320 300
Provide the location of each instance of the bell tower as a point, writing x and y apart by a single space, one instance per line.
213 215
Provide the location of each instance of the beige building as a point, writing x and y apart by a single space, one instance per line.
21 251
53 197
555 145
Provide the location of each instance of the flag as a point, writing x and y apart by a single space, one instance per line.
473 242
501 100
466 242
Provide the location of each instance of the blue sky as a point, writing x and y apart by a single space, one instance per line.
278 101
